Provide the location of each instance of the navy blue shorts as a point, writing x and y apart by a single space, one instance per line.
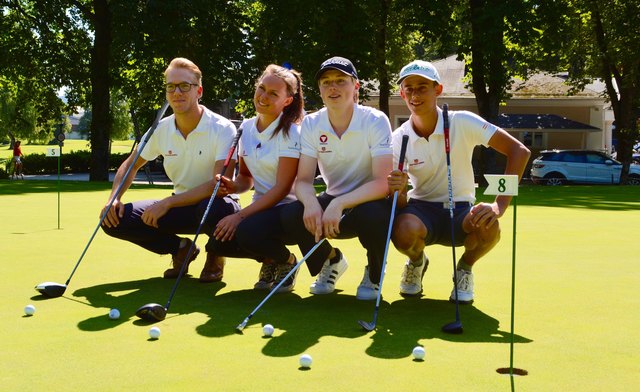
435 216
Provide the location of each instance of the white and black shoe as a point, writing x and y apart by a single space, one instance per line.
329 275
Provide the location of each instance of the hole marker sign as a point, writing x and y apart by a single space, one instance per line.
53 152
502 184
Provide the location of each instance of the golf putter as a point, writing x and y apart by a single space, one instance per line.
372 325
53 289
157 312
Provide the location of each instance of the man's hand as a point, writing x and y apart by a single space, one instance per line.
115 213
397 181
154 212
484 214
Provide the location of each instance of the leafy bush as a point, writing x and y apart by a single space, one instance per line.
73 162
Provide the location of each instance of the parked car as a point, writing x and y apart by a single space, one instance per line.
557 167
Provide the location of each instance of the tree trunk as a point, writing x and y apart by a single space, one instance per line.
101 122
487 72
381 56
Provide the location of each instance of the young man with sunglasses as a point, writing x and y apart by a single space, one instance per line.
194 143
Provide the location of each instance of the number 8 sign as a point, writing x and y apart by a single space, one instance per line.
502 184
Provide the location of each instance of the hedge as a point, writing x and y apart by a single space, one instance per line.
73 162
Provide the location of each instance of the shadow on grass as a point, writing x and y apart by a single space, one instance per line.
300 322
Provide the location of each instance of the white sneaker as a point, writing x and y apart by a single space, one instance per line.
367 290
465 288
329 275
411 283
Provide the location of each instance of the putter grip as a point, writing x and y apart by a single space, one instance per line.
403 150
445 122
234 144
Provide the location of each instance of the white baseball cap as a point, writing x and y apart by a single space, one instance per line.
420 68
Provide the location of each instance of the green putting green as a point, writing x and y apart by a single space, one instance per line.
576 317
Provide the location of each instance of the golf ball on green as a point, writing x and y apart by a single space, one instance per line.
154 332
29 310
418 352
114 314
267 330
305 361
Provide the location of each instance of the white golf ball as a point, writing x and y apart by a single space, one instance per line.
267 330
29 310
418 352
114 314
305 361
154 332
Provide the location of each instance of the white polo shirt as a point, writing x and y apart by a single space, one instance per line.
189 162
426 161
346 162
261 153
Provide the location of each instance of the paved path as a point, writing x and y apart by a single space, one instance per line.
141 177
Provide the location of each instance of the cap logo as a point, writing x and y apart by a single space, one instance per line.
416 67
335 61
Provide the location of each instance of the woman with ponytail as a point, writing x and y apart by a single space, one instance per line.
269 151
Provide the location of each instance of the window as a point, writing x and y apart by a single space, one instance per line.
532 139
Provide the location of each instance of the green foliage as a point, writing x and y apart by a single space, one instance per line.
72 162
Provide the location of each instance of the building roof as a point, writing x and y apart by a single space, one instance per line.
547 122
538 85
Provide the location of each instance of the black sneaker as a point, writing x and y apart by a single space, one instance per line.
267 276
281 271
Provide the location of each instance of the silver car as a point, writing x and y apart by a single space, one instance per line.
557 167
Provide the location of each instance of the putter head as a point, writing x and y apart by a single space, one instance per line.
367 326
453 328
51 289
241 326
152 312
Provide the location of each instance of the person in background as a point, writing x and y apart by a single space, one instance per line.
423 217
194 143
17 160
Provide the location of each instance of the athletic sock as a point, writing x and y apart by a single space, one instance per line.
418 263
464 266
337 257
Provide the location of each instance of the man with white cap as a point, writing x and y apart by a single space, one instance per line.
423 217
351 145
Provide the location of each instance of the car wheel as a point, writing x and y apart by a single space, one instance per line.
553 179
633 180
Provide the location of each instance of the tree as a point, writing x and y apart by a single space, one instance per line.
599 40
28 94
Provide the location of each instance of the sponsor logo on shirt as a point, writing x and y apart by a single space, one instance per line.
323 150
170 153
416 162
323 139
